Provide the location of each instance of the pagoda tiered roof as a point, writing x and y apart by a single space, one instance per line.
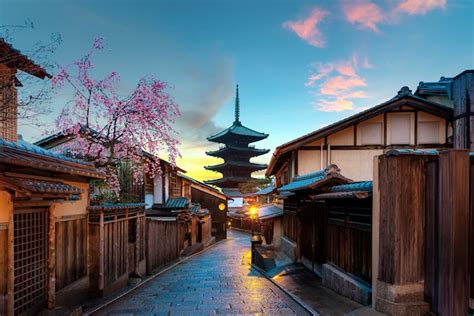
232 150
229 182
242 165
236 153
237 132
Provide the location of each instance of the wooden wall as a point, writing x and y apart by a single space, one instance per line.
211 202
351 250
206 226
71 251
290 220
161 243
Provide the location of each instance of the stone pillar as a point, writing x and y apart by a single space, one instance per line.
399 285
8 104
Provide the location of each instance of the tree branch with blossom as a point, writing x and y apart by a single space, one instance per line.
107 127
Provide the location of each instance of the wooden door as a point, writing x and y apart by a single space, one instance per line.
30 231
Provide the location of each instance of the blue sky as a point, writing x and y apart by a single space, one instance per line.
300 64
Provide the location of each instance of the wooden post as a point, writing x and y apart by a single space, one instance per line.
127 265
463 98
400 289
10 261
453 290
52 257
101 251
137 245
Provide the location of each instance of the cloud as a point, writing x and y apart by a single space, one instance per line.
307 29
202 94
363 13
369 15
420 6
336 84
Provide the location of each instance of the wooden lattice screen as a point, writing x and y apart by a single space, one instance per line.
30 259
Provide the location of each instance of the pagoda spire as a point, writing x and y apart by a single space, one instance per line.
237 105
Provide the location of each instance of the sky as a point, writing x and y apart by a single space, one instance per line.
300 65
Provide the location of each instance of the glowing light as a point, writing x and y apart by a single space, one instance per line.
221 206
253 211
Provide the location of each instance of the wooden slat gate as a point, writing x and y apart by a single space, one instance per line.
30 241
313 234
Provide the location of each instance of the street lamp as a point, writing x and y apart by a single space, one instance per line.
253 210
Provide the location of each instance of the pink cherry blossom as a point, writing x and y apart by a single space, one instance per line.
108 127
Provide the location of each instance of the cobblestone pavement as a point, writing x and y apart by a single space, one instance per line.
219 281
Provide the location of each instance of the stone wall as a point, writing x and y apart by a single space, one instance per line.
346 285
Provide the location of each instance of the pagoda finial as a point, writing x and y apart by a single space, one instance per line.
237 105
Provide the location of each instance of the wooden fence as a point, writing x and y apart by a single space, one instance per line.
116 235
161 243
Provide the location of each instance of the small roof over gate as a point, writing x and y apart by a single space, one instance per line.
360 190
313 180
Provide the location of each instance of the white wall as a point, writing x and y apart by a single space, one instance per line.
158 189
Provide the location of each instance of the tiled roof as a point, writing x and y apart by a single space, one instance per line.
116 206
176 203
353 186
28 147
232 192
311 180
441 87
23 154
240 164
265 191
269 211
38 186
238 130
399 152
13 58
360 190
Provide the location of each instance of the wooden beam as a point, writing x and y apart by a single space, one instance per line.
416 128
385 128
51 257
101 251
355 134
10 260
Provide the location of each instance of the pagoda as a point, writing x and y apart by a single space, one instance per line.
236 153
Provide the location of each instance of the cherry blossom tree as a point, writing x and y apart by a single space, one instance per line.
107 127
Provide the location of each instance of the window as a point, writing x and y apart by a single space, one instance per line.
428 132
400 129
372 134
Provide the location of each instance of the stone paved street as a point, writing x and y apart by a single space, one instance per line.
219 281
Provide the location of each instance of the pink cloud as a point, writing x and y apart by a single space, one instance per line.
420 6
307 29
337 105
337 84
334 85
363 13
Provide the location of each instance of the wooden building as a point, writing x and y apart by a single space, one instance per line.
208 198
405 121
44 198
154 190
43 211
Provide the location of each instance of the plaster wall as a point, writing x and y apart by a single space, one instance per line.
72 208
